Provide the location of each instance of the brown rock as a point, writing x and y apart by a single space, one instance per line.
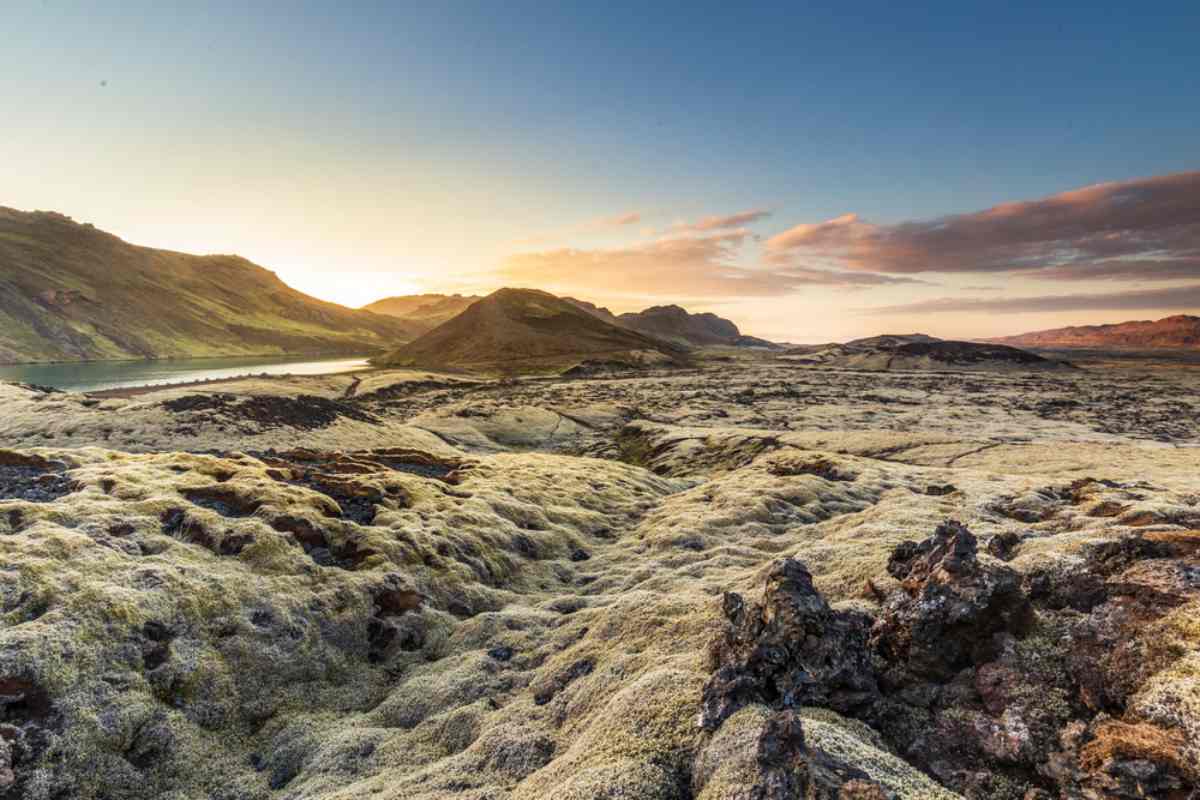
951 606
788 651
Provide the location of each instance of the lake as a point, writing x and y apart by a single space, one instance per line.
96 375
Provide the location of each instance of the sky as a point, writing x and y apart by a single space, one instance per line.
812 171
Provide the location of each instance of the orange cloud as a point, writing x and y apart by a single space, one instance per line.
721 222
1132 230
692 266
1176 298
594 226
630 218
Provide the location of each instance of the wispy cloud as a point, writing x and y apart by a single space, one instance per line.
693 266
1178 267
738 220
1145 229
1178 298
629 218
590 227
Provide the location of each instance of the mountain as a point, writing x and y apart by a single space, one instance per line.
593 309
920 353
669 323
676 324
892 340
1180 331
426 311
525 330
70 292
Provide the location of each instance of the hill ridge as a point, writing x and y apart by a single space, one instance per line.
70 291
1178 331
530 328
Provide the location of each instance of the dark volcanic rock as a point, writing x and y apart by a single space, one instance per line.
789 769
1004 545
304 412
789 651
950 607
781 765
994 695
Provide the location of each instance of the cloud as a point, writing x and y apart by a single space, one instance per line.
1181 267
1177 298
591 227
737 220
630 218
1145 229
691 266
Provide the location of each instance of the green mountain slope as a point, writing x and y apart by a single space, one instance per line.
70 292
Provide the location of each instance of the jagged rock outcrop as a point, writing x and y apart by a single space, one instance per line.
779 764
994 694
951 606
788 651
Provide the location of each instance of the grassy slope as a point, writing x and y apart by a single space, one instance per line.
69 292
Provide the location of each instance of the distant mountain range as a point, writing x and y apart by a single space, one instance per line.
676 324
515 331
70 292
671 323
425 311
918 352
1180 332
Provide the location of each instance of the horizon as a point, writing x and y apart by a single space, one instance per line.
633 308
638 158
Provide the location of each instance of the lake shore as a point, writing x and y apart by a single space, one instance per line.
126 392
111 376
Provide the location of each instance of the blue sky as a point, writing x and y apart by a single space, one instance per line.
368 148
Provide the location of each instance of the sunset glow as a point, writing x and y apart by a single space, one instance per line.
407 148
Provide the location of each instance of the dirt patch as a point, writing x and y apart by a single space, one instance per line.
820 467
348 555
32 478
222 500
304 412
397 459
177 524
22 701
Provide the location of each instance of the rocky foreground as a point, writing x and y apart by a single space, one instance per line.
746 580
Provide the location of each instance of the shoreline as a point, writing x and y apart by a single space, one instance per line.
81 362
123 392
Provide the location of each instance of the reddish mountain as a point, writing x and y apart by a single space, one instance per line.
1180 332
